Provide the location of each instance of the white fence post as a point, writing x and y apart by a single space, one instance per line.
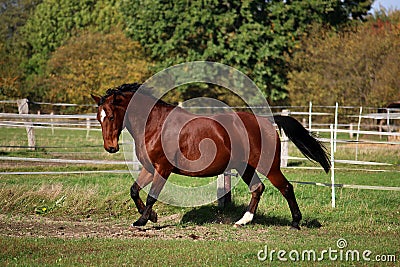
358 131
336 124
284 143
333 166
52 125
310 117
23 108
351 131
87 128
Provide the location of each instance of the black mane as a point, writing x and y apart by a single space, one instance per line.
129 87
119 90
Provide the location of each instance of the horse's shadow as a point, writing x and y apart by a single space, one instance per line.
232 213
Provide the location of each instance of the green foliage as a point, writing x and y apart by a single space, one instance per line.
55 21
91 63
13 16
9 73
352 67
254 36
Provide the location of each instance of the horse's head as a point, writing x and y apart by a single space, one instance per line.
110 114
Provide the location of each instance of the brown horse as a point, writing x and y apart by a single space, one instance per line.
169 139
393 107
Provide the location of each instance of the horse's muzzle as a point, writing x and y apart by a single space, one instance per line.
112 149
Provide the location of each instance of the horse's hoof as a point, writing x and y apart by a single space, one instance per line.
236 225
153 216
140 222
295 226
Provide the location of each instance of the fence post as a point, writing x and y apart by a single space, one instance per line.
87 128
388 120
224 189
358 131
351 133
336 124
333 141
23 108
310 117
52 121
284 143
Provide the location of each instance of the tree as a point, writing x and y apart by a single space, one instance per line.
9 74
91 62
13 16
353 67
55 21
255 37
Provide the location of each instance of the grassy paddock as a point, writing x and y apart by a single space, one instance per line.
199 236
82 219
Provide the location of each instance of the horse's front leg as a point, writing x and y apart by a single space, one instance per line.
142 181
156 187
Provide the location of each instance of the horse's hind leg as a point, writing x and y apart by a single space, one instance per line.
142 181
256 187
279 181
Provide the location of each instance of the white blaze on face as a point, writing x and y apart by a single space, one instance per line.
102 115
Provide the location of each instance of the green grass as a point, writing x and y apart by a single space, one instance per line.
199 236
64 143
366 219
99 252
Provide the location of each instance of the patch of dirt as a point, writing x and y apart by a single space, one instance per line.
168 228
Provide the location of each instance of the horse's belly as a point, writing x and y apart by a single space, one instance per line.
208 163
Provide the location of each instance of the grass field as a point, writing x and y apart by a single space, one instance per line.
83 219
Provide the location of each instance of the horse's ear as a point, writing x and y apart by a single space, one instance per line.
96 98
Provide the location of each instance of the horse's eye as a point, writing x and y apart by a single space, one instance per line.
111 118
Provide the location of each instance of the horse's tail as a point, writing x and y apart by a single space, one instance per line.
304 140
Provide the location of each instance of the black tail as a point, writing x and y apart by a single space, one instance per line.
305 142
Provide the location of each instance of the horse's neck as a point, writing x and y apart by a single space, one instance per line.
144 112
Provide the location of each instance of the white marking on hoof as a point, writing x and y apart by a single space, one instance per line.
247 217
102 115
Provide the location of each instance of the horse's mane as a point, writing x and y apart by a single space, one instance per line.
130 87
